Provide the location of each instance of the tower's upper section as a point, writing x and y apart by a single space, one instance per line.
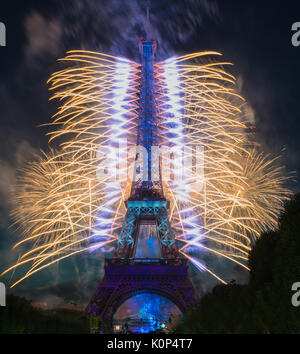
147 49
147 180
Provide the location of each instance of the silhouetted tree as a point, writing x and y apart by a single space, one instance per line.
19 316
264 305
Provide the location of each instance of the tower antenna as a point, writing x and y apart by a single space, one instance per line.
148 25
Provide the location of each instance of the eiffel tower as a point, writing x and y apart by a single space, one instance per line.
129 272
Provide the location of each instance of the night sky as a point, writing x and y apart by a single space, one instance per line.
254 35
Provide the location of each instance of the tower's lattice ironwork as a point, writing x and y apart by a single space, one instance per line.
147 198
126 275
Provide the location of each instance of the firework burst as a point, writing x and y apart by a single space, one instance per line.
66 205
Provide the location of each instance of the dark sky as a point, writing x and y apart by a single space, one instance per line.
254 35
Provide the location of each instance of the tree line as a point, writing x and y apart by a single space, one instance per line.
264 304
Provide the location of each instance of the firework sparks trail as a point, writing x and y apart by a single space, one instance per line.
238 192
66 205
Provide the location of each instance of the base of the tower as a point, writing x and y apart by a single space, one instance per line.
125 278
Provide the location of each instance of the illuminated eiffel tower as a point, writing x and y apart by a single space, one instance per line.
130 272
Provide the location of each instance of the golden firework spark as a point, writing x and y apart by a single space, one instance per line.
66 206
